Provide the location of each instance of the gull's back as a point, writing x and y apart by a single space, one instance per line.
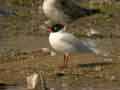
65 11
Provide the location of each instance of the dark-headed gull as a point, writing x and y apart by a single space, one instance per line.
67 43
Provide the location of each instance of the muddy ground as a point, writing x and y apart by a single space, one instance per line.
25 32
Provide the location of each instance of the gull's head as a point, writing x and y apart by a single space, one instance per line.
56 28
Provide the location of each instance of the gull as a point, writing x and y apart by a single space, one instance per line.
64 42
65 11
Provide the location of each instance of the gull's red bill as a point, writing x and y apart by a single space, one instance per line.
49 29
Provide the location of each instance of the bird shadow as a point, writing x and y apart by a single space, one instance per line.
91 65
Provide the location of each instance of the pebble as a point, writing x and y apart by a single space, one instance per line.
48 51
31 57
112 78
31 84
52 53
52 89
32 80
65 86
48 22
108 59
118 57
45 50
101 75
43 27
98 68
92 32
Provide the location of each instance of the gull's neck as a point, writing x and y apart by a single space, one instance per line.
61 31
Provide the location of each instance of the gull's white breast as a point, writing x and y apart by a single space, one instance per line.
57 43
66 42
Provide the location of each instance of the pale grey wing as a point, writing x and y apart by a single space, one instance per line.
77 45
103 46
73 10
98 46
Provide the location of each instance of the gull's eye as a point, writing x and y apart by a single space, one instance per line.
57 27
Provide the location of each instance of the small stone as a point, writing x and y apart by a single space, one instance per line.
118 57
43 27
106 54
92 32
98 68
45 50
12 54
100 75
31 57
32 80
65 86
108 59
52 89
48 22
112 78
52 53
76 79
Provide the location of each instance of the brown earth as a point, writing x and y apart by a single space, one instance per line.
26 32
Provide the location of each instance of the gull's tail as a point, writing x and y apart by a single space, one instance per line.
99 46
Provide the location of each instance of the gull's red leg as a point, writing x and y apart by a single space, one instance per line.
66 60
